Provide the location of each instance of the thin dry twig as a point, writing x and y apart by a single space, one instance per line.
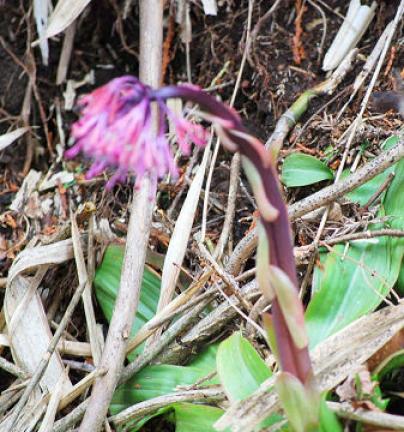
368 417
152 405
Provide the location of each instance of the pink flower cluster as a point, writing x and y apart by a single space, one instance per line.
116 131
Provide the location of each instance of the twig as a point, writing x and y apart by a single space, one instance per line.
72 418
379 191
87 300
12 368
364 235
151 40
261 21
375 418
199 382
167 337
255 312
324 18
356 236
209 326
228 279
149 328
152 405
334 11
9 399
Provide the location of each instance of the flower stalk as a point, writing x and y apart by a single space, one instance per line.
115 130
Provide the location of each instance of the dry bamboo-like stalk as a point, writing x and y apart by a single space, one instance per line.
151 36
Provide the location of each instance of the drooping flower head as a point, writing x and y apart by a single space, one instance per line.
116 131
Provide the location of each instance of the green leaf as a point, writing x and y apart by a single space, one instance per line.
195 418
241 371
240 368
352 283
301 170
159 380
106 283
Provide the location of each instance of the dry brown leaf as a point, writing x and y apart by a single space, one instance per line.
27 325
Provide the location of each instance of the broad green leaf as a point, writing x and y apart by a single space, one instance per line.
363 193
195 418
159 380
241 371
350 286
301 170
106 283
351 283
156 380
240 368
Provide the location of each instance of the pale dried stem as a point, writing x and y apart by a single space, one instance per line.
151 36
368 417
12 368
87 298
147 407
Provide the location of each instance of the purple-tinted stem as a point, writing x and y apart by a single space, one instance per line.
293 360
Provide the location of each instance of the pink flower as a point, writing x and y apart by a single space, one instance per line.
115 130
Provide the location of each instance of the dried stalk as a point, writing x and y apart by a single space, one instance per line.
151 37
374 418
147 407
